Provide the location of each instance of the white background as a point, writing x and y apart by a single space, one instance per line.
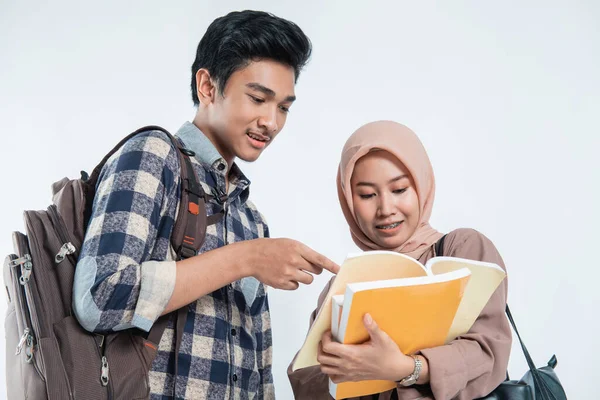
504 95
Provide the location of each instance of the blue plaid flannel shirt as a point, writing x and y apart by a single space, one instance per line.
126 270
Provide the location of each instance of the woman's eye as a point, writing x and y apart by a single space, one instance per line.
366 196
400 191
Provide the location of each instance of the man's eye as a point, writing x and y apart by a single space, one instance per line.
256 99
284 109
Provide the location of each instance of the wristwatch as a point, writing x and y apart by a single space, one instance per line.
414 377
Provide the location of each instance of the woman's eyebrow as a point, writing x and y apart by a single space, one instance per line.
390 181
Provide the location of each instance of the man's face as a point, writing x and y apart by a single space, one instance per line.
252 110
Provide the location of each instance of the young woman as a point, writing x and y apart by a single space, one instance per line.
386 190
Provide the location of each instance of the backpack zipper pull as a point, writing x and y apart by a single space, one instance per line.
104 375
26 273
29 349
22 341
20 261
66 248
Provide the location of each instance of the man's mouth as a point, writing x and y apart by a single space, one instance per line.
260 138
389 226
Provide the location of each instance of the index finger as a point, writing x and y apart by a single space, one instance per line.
319 260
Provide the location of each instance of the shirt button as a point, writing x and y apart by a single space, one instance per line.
221 167
233 332
234 377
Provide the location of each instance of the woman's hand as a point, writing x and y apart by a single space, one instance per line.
378 358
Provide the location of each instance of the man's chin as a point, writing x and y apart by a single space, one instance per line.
249 156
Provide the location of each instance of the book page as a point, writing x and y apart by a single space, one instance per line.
485 278
336 313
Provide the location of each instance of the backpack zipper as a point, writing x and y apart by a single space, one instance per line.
26 266
27 269
28 338
67 249
105 370
104 373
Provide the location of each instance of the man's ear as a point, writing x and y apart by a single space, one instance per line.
205 87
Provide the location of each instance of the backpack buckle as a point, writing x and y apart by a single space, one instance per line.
185 252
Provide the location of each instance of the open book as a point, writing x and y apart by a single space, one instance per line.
384 265
415 312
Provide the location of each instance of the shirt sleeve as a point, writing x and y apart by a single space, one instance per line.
264 349
265 341
122 279
474 364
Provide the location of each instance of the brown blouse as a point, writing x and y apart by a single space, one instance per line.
469 367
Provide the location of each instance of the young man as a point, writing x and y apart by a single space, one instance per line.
243 82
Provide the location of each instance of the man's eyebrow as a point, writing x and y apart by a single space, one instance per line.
267 91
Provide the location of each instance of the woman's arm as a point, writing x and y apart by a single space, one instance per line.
310 383
474 364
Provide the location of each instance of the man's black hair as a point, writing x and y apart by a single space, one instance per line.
233 41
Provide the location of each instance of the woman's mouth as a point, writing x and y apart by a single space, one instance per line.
389 227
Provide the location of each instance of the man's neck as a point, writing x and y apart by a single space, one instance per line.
204 127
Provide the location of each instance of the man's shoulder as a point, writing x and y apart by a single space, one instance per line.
146 163
150 151
155 142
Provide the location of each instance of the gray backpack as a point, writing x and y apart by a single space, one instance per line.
48 354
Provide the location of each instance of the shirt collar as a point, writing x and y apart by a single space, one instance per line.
206 153
205 150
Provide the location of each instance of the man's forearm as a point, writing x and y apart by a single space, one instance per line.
203 274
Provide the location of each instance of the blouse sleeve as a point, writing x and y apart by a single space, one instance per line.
474 364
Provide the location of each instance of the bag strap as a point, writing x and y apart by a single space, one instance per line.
530 363
439 251
439 247
190 227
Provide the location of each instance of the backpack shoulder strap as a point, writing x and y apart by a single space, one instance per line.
190 227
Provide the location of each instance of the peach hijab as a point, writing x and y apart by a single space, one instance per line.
403 143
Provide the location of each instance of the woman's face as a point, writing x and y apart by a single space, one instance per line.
385 200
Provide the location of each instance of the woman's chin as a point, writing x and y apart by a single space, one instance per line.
390 243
